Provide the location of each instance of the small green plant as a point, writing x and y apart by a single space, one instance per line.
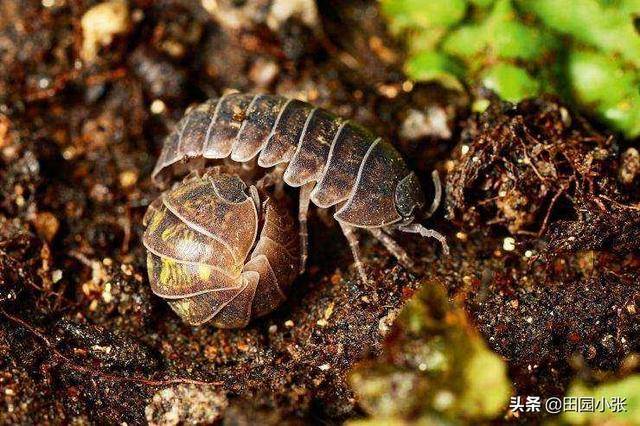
618 402
587 51
436 369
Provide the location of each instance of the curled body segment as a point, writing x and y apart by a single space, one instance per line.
217 254
349 166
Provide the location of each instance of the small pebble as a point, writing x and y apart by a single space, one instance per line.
283 10
47 225
126 269
106 293
128 178
431 122
388 90
100 24
93 306
630 166
263 72
158 107
407 86
509 244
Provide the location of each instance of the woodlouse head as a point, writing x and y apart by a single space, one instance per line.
409 196
218 251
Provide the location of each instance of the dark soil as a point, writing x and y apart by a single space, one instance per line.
82 338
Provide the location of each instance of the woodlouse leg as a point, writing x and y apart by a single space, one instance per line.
416 228
351 237
274 179
278 172
303 210
394 248
196 172
211 171
253 191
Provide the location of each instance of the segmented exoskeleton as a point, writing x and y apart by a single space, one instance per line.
217 253
335 162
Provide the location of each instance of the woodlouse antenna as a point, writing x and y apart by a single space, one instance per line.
437 196
416 228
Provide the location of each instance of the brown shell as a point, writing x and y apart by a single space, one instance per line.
215 255
348 163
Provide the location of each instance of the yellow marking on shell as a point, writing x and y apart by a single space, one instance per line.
168 269
172 231
236 269
188 235
204 271
166 234
156 219
182 307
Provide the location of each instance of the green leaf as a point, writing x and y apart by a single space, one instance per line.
407 14
513 40
434 66
510 82
487 388
482 3
609 28
436 369
466 41
509 37
603 84
628 388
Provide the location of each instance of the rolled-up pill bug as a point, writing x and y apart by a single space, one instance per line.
337 164
218 253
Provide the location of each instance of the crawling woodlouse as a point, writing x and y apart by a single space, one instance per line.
334 161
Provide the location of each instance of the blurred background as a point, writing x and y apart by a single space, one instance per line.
530 111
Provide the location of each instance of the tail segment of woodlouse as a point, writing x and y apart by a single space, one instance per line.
335 162
215 255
